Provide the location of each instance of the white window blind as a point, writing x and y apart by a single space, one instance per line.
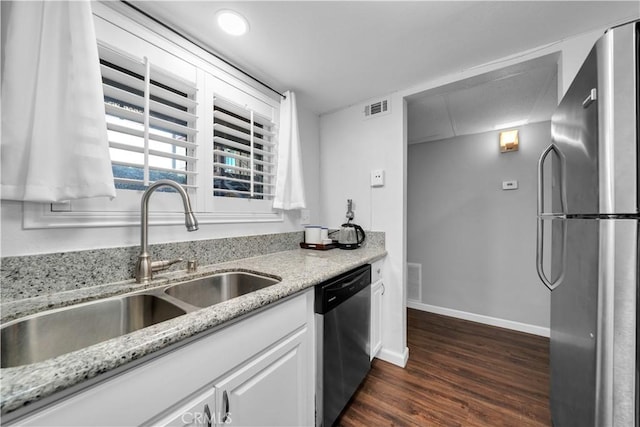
244 151
151 122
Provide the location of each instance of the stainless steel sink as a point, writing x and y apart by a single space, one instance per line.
215 289
49 334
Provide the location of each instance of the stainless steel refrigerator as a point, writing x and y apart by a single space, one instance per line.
590 262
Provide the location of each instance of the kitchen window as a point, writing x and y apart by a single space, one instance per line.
244 152
173 113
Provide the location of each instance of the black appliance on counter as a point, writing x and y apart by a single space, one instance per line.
351 236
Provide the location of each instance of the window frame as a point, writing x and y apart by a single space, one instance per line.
213 78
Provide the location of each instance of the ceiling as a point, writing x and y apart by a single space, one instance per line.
525 92
338 53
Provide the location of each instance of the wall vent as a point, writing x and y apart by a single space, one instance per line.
414 282
378 108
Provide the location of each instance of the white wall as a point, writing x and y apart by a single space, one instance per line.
309 124
350 147
476 242
17 241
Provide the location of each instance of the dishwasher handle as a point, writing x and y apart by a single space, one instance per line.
341 286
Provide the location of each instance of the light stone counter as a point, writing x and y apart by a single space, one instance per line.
299 269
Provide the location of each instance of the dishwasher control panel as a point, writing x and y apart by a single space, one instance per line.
331 293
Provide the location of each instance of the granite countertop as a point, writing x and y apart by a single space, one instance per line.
299 270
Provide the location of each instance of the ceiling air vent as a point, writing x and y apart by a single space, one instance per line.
377 108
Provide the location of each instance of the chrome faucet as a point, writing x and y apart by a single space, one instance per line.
144 266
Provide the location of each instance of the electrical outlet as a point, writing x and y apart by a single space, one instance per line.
377 178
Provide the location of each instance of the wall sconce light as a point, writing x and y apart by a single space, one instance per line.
509 141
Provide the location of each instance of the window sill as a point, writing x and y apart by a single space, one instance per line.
39 216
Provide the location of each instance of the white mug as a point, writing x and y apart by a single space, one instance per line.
312 234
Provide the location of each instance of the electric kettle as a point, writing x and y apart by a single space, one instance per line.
351 236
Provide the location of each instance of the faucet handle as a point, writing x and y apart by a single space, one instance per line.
163 265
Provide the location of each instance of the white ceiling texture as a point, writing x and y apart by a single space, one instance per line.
339 53
523 92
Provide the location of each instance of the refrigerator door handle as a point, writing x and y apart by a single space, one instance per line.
562 184
552 148
540 254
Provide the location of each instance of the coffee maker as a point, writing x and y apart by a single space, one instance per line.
351 235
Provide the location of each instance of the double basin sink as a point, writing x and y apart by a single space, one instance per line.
52 333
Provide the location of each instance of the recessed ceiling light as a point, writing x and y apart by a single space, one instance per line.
232 22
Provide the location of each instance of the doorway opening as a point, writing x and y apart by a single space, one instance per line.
471 208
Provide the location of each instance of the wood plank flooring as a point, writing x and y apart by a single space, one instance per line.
459 373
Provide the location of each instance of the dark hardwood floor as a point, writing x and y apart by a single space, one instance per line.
459 373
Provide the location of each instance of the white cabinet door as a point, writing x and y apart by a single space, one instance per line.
377 290
199 412
270 389
376 270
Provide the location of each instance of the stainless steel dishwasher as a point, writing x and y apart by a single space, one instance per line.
343 317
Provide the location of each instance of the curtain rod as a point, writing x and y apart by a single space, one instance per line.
183 36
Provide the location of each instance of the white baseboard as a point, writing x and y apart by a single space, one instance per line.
487 320
398 359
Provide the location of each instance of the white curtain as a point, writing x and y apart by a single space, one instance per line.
289 193
54 135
